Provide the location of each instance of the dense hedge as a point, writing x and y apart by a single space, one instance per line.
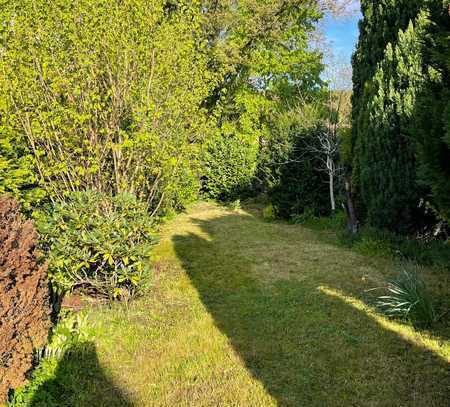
229 164
431 126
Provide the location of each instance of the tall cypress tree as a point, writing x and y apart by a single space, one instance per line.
432 113
388 75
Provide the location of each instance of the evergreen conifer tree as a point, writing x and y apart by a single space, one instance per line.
432 112
390 73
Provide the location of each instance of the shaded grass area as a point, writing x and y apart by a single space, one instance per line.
77 380
244 312
371 241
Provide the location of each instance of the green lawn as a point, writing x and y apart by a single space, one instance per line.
244 312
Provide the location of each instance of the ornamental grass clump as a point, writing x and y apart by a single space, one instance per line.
406 298
97 244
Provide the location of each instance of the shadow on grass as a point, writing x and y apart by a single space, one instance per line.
305 344
78 381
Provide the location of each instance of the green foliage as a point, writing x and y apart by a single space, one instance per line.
45 371
371 241
16 167
77 379
399 111
269 212
301 218
336 221
235 205
432 113
123 97
71 332
229 164
406 298
107 96
384 147
302 184
262 53
98 244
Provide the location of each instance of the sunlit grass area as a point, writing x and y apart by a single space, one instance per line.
244 312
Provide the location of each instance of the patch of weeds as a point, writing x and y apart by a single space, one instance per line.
374 242
308 216
167 215
333 222
72 331
235 205
41 375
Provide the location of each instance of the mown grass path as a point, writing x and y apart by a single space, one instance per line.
248 313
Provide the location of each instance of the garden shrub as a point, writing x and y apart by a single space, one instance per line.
17 177
229 164
302 185
98 244
107 96
25 306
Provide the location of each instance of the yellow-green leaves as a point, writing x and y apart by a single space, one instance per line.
106 95
97 243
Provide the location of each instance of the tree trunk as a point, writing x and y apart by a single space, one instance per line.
330 166
352 220
332 200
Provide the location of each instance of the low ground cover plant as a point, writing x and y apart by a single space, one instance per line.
98 244
375 242
71 332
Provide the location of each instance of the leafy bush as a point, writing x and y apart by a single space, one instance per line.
407 298
229 164
17 177
98 244
107 100
302 185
